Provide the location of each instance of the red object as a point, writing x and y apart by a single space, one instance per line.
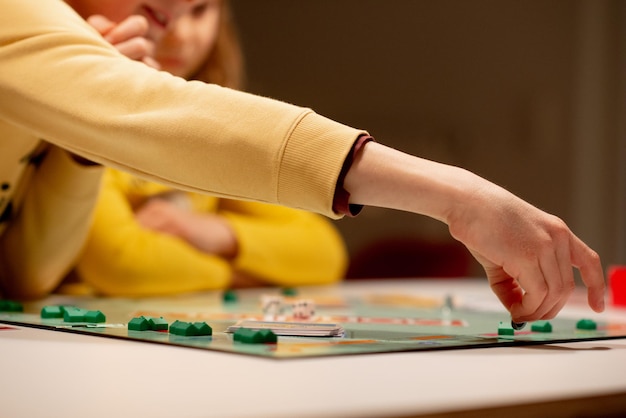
617 285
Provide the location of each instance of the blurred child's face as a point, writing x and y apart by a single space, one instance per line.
159 13
190 39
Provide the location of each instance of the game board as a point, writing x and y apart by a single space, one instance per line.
372 323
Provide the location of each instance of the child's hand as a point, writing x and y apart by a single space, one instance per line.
527 254
128 37
208 233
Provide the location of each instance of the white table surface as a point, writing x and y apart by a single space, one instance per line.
55 374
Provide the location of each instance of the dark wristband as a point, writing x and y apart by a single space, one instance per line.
341 200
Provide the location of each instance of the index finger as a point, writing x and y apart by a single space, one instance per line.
588 263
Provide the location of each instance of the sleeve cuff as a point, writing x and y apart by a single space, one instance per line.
341 199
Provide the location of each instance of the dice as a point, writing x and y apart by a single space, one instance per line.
272 306
303 309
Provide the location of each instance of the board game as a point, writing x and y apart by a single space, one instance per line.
344 323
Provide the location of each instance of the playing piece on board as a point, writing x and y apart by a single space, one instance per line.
447 307
517 326
303 309
272 306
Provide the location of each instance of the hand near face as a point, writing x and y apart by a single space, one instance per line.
128 37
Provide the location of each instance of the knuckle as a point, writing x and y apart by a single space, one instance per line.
559 224
559 231
569 287
594 257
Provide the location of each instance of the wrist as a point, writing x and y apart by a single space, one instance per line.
384 177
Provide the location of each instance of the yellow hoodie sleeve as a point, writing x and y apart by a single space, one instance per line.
61 81
284 246
44 239
122 258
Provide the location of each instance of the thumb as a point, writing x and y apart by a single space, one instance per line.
505 287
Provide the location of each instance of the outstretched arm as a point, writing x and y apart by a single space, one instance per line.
527 254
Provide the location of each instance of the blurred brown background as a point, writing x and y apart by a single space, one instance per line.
529 94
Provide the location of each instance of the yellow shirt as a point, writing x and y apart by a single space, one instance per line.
62 83
278 245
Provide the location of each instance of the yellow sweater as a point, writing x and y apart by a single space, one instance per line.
60 82
279 245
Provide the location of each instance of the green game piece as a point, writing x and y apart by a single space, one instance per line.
157 324
505 329
289 291
251 336
71 314
586 324
139 323
268 336
229 296
248 336
541 326
94 317
51 312
10 306
182 328
66 307
202 328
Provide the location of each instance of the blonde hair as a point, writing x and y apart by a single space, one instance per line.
225 63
